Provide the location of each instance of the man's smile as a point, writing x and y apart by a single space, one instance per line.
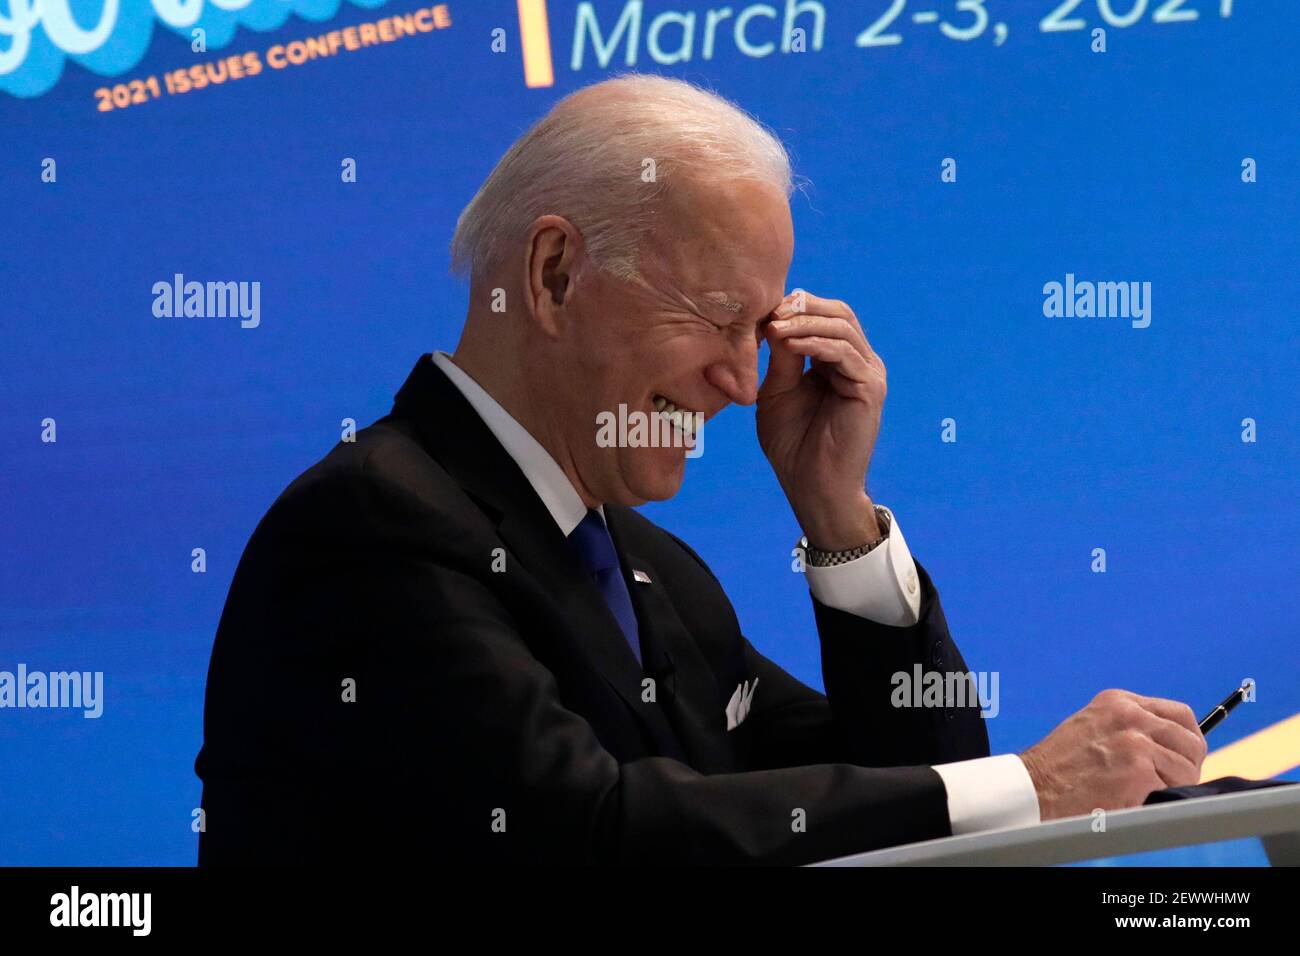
685 419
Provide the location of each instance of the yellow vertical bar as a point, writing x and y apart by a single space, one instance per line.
535 36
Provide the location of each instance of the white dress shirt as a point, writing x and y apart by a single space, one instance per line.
882 586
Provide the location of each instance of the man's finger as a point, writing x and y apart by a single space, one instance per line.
1173 710
800 302
852 370
784 367
827 327
1174 736
1174 769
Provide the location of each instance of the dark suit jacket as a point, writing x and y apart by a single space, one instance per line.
499 716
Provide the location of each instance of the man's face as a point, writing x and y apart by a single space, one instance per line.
688 333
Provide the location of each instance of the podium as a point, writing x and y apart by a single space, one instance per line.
1273 815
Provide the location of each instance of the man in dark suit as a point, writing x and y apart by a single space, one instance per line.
454 640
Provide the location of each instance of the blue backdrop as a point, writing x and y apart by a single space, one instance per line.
1072 433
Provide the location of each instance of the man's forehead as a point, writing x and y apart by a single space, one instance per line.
741 304
724 246
704 282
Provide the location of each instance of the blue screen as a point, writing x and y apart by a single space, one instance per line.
1101 500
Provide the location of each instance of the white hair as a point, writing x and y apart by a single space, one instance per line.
585 159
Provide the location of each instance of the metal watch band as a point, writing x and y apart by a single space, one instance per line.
828 559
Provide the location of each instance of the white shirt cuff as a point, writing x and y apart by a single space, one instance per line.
989 793
880 586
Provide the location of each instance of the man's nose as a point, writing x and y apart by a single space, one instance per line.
736 376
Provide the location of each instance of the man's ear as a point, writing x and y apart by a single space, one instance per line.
551 255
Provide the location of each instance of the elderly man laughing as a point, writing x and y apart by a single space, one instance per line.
454 639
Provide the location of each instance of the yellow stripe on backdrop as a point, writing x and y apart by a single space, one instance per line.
1265 754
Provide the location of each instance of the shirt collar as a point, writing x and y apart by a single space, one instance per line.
541 470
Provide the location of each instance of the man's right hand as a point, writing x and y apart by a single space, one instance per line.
1114 753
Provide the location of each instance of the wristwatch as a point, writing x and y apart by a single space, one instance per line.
828 559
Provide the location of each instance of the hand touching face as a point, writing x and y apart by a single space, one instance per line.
818 427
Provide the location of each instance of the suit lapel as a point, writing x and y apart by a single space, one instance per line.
580 604
454 434
687 690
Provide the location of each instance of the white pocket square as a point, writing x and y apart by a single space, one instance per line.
738 706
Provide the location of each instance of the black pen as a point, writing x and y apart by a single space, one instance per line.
1211 720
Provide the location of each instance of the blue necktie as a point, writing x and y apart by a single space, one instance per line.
595 549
